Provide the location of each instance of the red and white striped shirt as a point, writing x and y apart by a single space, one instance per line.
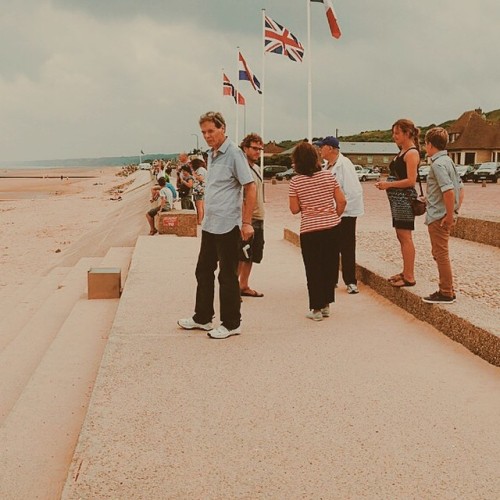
316 200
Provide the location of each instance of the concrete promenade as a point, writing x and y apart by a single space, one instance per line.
370 403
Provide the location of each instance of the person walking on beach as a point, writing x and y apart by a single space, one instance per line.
252 251
345 174
400 187
316 195
444 198
227 218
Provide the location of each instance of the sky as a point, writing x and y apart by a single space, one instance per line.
93 78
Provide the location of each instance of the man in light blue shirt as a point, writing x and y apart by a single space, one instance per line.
444 197
227 217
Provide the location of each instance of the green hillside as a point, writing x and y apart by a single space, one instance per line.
386 135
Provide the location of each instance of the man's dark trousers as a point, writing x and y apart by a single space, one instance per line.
219 249
347 251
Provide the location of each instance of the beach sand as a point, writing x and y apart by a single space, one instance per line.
44 219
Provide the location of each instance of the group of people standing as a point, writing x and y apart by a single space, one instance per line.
444 197
328 195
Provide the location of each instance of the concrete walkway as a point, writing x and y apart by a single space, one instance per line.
370 403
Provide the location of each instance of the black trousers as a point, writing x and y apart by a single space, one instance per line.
317 250
346 250
221 249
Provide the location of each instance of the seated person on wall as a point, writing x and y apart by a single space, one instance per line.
165 204
155 191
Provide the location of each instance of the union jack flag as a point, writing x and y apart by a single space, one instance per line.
279 40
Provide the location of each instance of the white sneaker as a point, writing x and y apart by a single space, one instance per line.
352 288
325 312
190 324
223 333
315 316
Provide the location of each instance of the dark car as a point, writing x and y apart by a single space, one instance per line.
466 172
288 174
489 171
271 170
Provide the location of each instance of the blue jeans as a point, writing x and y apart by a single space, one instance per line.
221 249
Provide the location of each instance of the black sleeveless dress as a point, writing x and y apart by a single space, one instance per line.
399 198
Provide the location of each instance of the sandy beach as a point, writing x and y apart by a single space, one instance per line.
42 216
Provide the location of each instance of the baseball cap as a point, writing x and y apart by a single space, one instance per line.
328 141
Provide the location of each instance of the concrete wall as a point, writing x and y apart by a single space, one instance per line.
480 231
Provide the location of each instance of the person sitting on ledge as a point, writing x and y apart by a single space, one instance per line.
165 204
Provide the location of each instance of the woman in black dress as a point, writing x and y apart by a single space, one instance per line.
400 188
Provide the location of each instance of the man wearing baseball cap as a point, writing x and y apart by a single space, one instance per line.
343 170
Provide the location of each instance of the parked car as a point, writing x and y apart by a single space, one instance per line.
423 172
144 166
365 174
489 171
288 174
466 172
272 170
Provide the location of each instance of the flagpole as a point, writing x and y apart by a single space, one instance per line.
309 75
263 93
245 119
237 95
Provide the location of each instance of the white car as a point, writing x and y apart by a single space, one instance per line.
365 174
423 172
144 166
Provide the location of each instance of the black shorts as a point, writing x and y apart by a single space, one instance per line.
256 250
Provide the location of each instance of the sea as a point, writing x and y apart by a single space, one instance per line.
110 161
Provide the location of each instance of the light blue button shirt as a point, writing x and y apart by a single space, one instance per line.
442 177
226 175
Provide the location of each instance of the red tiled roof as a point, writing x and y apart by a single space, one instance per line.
474 133
272 148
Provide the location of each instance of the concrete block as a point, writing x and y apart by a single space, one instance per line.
104 282
179 222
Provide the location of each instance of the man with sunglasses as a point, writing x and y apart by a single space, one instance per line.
228 218
252 251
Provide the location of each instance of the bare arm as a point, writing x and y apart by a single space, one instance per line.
249 199
449 203
294 204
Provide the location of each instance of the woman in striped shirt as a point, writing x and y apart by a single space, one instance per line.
317 196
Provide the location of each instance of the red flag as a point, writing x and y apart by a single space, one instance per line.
228 89
331 17
227 86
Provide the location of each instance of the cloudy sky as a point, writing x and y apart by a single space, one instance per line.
89 78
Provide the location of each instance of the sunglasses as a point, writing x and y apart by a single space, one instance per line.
212 116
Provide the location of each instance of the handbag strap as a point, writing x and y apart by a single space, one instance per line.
420 183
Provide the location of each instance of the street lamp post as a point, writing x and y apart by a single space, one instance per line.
197 143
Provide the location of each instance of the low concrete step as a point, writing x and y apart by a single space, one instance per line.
119 257
40 433
21 356
29 300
